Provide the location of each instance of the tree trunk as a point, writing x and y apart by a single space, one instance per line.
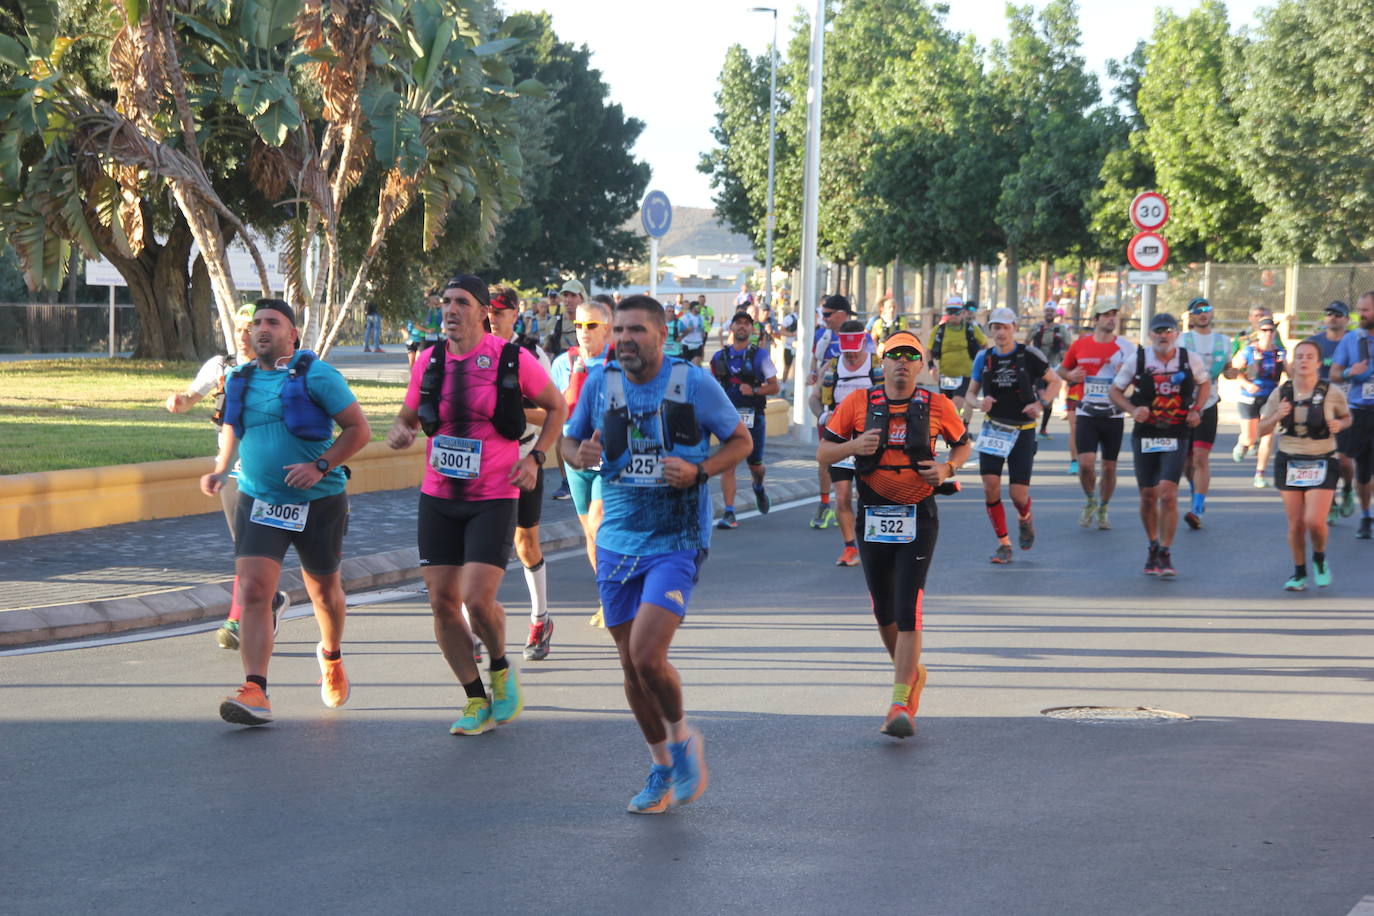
881 289
202 311
1013 277
899 285
975 280
1044 291
861 295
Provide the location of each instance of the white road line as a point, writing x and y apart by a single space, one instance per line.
295 612
1364 908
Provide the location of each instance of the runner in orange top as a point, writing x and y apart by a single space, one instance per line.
891 430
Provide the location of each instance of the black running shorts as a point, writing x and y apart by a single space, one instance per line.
1107 432
455 532
319 545
896 573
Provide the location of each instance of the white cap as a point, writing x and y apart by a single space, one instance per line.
1002 315
954 301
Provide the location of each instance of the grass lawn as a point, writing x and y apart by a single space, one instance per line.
82 413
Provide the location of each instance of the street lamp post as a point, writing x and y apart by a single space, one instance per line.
810 279
772 148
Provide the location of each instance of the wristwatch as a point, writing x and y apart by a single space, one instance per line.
702 476
538 456
322 465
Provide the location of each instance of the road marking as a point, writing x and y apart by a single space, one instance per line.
1364 908
295 612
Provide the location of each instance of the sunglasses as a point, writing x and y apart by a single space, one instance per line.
587 325
826 314
910 356
1202 308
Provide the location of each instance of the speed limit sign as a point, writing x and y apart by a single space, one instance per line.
1147 251
1149 210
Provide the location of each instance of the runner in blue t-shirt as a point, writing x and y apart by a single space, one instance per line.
657 525
280 411
1260 367
1353 363
1337 321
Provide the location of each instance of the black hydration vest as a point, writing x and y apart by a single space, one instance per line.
509 416
720 368
677 416
1144 393
1316 411
1025 388
879 417
938 346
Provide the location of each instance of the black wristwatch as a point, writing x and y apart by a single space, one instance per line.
538 456
702 476
322 465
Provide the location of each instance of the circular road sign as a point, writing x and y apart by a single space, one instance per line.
1147 251
1149 210
656 213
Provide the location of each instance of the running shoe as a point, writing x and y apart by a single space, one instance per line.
820 519
913 702
829 518
1086 519
506 698
1073 467
476 717
1192 520
761 500
1347 504
227 636
537 647
1296 584
1152 561
1166 564
1003 554
1321 573
1238 453
1025 533
248 706
689 769
727 522
281 603
898 722
562 492
657 793
598 619
1366 529
1333 514
334 687
1260 483
1045 435
849 557
1102 523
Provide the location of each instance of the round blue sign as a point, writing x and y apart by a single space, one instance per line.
656 214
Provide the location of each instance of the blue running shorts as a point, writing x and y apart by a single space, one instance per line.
663 579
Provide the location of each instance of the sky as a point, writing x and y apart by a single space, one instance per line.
662 59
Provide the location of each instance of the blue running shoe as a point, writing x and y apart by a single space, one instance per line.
689 769
656 795
1073 467
476 718
761 500
506 699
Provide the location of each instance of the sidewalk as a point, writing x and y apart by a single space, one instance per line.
146 574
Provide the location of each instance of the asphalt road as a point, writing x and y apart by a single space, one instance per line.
121 791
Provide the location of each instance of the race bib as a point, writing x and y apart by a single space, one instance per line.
746 416
1306 473
889 524
950 382
1367 390
847 464
452 456
996 439
1095 389
288 517
644 471
1153 446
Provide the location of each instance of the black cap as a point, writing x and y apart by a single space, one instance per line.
276 305
1163 321
1338 308
837 303
474 286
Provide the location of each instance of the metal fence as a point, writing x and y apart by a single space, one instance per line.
83 328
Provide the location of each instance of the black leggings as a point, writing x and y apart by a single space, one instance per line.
896 574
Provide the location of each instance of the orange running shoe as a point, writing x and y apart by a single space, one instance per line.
248 706
914 701
898 722
850 557
334 687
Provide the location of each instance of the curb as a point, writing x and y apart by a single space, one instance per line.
208 601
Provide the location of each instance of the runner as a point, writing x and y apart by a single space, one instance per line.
856 369
1005 375
279 412
1052 339
1213 348
1091 364
466 396
888 322
952 347
1353 362
1167 384
1260 367
693 334
746 373
825 346
646 422
505 308
1337 320
672 345
570 373
890 431
787 330
1310 412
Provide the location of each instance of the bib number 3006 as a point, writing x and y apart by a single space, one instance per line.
889 524
288 517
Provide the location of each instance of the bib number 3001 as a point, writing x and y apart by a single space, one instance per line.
452 456
288 517
889 524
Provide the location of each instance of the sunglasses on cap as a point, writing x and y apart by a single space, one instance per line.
904 354
587 325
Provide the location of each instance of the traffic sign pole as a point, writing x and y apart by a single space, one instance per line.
653 266
656 215
1147 251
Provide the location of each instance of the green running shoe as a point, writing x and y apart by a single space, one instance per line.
506 699
476 718
1086 519
227 636
1296 584
657 793
1347 504
1321 573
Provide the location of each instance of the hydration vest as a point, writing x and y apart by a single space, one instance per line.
304 418
830 378
882 330
509 417
1316 407
879 417
677 416
1057 338
1024 386
1144 394
748 375
938 346
217 394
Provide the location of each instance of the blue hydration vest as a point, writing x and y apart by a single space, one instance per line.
304 418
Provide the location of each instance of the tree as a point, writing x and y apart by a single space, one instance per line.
738 166
1305 116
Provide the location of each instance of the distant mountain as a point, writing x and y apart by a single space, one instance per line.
695 231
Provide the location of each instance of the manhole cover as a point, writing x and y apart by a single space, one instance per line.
1115 715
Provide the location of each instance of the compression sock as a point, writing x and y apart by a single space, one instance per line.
730 509
499 664
257 679
1199 503
1319 560
998 516
1300 571
475 689
825 499
1045 419
235 609
537 581
332 656
901 694
1022 512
